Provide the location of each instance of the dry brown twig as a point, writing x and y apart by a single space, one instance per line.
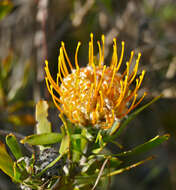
80 14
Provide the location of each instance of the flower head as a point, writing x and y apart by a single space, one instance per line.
96 94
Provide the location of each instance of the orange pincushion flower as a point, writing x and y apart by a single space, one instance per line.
98 94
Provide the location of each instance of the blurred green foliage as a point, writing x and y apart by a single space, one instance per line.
10 100
5 7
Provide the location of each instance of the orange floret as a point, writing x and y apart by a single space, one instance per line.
97 94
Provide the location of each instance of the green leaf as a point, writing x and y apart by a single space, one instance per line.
80 180
76 150
88 165
89 179
14 146
42 139
78 144
65 144
43 126
156 141
121 170
114 162
96 151
117 144
77 136
17 174
99 139
84 140
93 160
132 116
6 163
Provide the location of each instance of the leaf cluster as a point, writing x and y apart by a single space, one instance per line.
82 160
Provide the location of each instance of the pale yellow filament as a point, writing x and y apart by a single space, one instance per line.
99 84
62 70
63 61
100 54
131 57
122 94
51 79
93 117
96 111
133 75
95 77
128 69
97 107
56 104
132 104
134 91
76 56
70 114
92 50
112 118
141 78
121 56
140 100
112 79
103 42
130 60
57 80
125 82
138 84
59 74
47 84
90 53
114 56
66 55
